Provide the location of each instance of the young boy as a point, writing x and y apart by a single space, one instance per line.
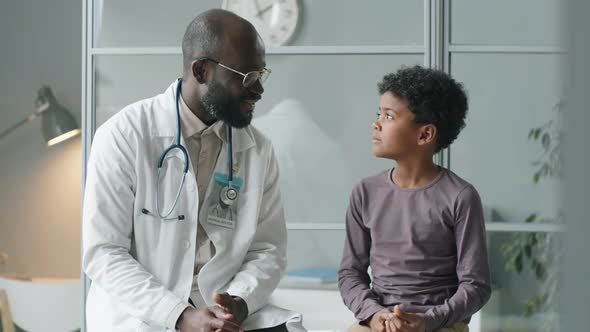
418 226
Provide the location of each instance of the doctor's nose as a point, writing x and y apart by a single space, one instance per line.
257 88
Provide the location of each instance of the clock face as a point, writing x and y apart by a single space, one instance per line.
275 20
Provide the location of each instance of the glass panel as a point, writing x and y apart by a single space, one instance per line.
512 305
122 80
149 23
505 22
510 94
314 249
361 23
319 123
133 23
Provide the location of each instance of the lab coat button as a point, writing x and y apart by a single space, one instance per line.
186 244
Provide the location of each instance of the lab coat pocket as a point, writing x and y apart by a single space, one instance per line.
236 227
248 209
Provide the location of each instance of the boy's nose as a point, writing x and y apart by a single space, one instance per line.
376 125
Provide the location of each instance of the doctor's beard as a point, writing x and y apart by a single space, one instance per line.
222 105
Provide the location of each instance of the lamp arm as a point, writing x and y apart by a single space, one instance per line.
32 116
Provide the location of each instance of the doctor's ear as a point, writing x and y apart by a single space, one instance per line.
199 69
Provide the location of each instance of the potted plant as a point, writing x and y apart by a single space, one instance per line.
540 252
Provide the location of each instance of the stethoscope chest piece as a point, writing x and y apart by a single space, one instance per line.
228 196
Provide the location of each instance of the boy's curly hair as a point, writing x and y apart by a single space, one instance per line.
434 98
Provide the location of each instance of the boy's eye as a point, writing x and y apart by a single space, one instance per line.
387 116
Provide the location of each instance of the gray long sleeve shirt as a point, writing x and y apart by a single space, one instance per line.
426 248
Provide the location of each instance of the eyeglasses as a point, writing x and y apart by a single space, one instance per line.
250 77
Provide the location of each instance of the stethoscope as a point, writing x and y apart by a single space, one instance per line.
228 194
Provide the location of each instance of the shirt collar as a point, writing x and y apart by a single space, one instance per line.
192 125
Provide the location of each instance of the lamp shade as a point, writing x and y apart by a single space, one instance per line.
58 124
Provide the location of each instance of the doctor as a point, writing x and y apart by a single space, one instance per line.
183 224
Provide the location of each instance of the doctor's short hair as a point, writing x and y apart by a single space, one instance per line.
433 97
204 36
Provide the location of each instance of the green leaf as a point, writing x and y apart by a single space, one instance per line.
531 218
534 304
540 271
536 177
528 250
537 133
546 141
528 309
531 132
532 239
518 263
508 267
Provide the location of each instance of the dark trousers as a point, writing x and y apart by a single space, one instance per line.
278 328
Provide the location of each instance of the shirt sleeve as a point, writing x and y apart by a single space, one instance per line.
108 231
174 315
353 278
472 264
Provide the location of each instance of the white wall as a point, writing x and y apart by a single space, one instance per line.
40 187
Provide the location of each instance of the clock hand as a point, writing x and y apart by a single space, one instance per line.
260 12
257 6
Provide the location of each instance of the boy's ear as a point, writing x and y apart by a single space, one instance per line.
427 134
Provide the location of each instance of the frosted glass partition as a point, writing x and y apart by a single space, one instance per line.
509 94
505 22
151 23
317 109
122 80
314 249
145 23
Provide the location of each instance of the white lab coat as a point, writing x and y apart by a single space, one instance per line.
141 267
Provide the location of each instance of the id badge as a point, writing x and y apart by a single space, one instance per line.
217 214
223 217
